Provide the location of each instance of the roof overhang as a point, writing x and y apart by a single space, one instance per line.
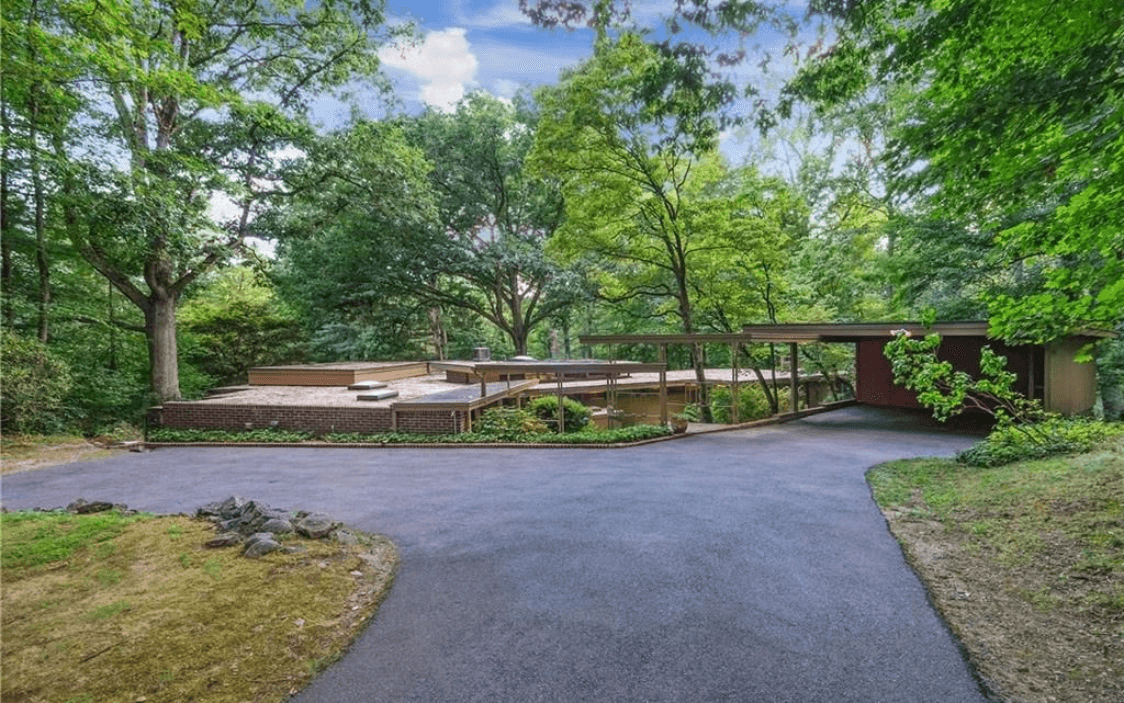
803 333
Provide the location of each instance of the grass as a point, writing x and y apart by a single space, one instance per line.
1025 561
107 608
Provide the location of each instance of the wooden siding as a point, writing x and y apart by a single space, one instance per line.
1071 388
334 374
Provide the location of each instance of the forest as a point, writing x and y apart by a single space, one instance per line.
926 159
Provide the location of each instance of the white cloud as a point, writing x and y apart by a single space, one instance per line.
504 15
443 63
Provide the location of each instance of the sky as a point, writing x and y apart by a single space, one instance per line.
476 45
489 45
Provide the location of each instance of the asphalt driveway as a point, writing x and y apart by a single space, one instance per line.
740 566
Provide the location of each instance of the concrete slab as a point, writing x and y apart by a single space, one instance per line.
367 385
380 394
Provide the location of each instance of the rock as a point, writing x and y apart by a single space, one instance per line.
232 505
255 524
225 539
345 537
277 526
315 525
98 506
260 544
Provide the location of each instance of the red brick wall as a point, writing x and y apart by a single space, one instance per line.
431 421
188 415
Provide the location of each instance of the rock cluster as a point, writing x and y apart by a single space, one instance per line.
257 527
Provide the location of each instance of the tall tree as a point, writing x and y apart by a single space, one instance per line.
188 99
643 186
497 215
359 233
1015 132
38 100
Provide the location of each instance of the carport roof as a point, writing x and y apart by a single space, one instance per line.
813 332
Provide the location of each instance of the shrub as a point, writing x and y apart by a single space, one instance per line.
1009 443
752 403
510 423
34 385
574 413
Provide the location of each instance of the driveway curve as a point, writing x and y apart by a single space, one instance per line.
749 565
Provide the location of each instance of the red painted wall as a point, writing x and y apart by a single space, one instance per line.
875 381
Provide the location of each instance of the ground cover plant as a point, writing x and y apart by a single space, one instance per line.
1026 563
111 608
491 433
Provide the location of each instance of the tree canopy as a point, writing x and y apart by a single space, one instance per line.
1011 129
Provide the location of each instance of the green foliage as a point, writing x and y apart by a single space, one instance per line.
753 404
33 538
948 392
510 423
1110 377
574 414
154 108
356 240
1009 127
172 434
634 433
34 386
1010 443
236 323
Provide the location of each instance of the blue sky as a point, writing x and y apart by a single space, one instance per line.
476 45
490 45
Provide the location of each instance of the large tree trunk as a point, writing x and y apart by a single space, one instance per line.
163 358
7 315
698 356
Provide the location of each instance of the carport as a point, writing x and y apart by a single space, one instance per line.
1050 372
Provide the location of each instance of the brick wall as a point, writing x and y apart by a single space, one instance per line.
431 421
292 417
187 415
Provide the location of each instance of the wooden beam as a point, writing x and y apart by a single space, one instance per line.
663 384
793 377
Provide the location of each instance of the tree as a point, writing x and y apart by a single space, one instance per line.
236 322
647 198
185 100
358 235
497 215
35 384
1014 133
38 100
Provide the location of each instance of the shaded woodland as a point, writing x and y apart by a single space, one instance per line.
923 160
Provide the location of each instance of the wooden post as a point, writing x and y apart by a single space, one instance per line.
734 383
663 385
561 406
610 390
792 376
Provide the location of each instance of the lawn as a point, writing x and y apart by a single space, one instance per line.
1026 564
108 608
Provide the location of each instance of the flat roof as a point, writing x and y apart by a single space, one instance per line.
339 366
562 366
814 332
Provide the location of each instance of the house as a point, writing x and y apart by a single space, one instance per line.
1049 372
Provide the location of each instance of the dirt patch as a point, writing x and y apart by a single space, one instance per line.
1036 630
19 455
